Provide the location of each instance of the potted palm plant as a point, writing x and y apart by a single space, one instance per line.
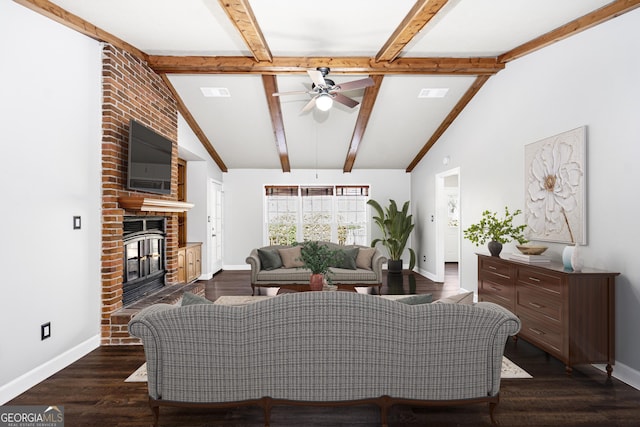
496 231
318 258
396 226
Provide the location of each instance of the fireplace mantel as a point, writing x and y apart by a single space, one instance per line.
148 204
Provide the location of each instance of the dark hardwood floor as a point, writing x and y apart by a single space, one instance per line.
93 392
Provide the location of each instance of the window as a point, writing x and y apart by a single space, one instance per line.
331 213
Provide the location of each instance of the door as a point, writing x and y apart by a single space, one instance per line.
215 227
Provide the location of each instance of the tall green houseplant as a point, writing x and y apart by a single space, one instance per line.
396 226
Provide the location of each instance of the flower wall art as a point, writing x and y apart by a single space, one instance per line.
555 208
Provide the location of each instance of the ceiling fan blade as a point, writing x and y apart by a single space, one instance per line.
317 78
355 84
338 97
293 92
309 105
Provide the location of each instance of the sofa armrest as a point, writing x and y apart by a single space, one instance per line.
376 264
254 261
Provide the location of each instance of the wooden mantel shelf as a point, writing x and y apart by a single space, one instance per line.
147 204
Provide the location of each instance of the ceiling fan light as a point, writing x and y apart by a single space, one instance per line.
324 102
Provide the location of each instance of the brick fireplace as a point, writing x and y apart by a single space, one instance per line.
131 90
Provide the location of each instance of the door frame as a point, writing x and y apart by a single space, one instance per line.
441 221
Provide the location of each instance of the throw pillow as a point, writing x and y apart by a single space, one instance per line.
365 255
291 257
347 258
416 299
463 298
189 298
269 259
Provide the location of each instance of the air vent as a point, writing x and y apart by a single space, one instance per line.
433 92
215 92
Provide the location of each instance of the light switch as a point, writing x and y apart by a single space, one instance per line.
77 223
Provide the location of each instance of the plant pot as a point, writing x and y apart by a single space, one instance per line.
316 282
394 266
495 248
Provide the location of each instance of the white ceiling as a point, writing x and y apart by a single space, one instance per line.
239 127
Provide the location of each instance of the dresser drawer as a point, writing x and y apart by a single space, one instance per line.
547 282
504 291
539 304
495 267
541 333
497 299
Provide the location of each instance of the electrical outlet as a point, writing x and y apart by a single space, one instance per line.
45 331
424 258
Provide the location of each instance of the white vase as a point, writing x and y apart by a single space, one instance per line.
576 258
566 257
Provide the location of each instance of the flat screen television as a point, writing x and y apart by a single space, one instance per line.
149 164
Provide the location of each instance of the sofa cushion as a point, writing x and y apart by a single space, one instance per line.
365 255
347 258
416 299
269 259
463 298
291 257
189 298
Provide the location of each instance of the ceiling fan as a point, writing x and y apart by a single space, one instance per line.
324 91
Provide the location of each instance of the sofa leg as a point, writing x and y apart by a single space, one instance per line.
266 404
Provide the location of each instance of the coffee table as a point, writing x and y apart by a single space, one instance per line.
303 287
240 300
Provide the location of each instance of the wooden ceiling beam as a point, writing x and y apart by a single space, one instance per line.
419 15
61 16
366 107
462 103
270 87
338 65
182 108
242 17
605 13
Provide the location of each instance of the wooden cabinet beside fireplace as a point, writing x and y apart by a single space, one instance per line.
189 262
570 315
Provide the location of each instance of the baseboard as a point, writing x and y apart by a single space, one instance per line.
237 267
44 371
426 274
624 373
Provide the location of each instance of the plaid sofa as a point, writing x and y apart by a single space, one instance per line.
323 347
286 276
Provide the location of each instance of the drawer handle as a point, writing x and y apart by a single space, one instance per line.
491 267
533 304
534 279
536 331
495 288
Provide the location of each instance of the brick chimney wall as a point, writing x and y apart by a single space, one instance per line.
131 90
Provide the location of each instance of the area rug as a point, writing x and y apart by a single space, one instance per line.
509 370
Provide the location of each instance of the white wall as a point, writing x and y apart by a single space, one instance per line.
51 144
589 79
244 195
201 169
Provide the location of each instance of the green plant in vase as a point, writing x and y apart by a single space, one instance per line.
396 226
319 258
496 231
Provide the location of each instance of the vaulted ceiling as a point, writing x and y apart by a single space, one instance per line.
249 49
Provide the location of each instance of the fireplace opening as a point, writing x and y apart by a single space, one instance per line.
144 257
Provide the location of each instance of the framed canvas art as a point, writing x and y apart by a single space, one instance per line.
555 191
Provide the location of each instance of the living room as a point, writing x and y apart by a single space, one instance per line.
53 123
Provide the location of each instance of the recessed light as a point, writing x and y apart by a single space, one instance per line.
216 92
439 92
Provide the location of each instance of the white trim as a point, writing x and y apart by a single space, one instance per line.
624 373
440 213
44 371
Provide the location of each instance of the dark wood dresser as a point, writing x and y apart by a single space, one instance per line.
570 315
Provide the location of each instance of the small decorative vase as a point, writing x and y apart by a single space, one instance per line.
576 258
566 257
495 248
316 282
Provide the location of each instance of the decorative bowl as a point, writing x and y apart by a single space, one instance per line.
531 249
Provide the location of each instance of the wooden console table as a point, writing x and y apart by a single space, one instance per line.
570 315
